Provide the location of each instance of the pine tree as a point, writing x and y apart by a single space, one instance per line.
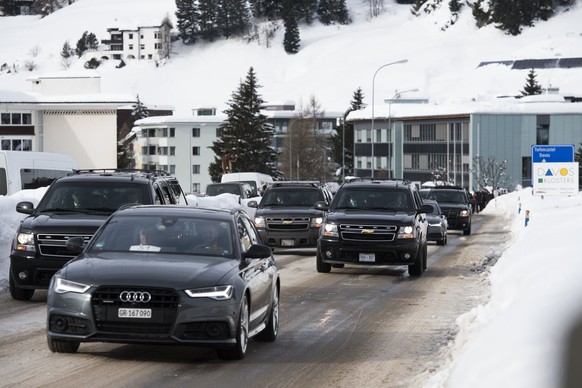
207 20
82 45
306 9
245 134
481 16
232 17
92 42
532 87
270 9
67 51
341 12
187 20
507 15
454 6
341 145
9 7
291 39
140 111
325 12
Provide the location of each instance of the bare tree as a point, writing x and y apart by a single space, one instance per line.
303 154
376 7
488 172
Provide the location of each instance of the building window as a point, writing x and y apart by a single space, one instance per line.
16 145
130 36
172 151
526 167
195 169
543 130
16 118
172 132
151 150
195 132
26 118
152 132
195 150
150 56
163 151
131 47
195 187
164 132
172 168
5 118
218 132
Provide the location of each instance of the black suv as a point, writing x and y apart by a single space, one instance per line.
77 205
455 204
286 216
373 222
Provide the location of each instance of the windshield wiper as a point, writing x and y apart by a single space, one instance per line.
101 209
60 209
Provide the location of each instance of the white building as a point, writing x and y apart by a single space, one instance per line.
64 114
179 145
151 42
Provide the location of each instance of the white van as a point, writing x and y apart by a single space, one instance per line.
259 182
22 170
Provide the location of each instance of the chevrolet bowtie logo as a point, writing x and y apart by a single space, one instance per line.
287 222
367 231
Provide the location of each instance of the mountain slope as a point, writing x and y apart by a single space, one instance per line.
332 63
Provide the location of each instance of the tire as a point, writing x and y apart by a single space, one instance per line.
60 346
18 293
321 266
467 231
425 257
419 265
269 334
239 350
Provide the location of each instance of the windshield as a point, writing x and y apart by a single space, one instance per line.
292 197
83 196
167 234
447 196
373 199
213 190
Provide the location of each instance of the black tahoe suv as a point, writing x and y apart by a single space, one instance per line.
454 202
286 216
76 206
373 222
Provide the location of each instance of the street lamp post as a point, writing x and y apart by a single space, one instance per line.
394 97
344 144
373 83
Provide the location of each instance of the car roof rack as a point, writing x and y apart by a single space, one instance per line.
296 183
111 171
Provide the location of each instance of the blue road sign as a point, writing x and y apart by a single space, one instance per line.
552 153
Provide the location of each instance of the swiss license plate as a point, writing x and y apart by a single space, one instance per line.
287 243
134 313
367 257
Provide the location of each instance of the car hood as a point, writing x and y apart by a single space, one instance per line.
174 271
288 211
453 205
372 216
65 222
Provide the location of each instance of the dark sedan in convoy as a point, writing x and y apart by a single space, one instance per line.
167 275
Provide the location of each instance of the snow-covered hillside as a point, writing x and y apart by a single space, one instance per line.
332 63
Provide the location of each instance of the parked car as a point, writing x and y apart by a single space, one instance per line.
76 205
374 222
437 223
167 275
286 216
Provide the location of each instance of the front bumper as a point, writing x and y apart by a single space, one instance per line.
290 239
178 319
33 273
338 252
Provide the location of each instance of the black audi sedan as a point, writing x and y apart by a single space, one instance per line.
167 275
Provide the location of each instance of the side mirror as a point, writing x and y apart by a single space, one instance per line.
75 244
258 251
25 207
321 205
253 203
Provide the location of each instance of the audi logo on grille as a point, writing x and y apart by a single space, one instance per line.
135 296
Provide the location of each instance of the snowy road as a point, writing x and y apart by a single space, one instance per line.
352 327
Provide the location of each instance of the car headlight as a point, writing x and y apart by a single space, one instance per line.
405 232
24 242
464 213
260 222
316 222
217 292
329 230
62 286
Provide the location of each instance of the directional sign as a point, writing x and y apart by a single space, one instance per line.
552 153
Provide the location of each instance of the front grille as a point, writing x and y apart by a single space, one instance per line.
370 233
164 305
288 223
55 245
